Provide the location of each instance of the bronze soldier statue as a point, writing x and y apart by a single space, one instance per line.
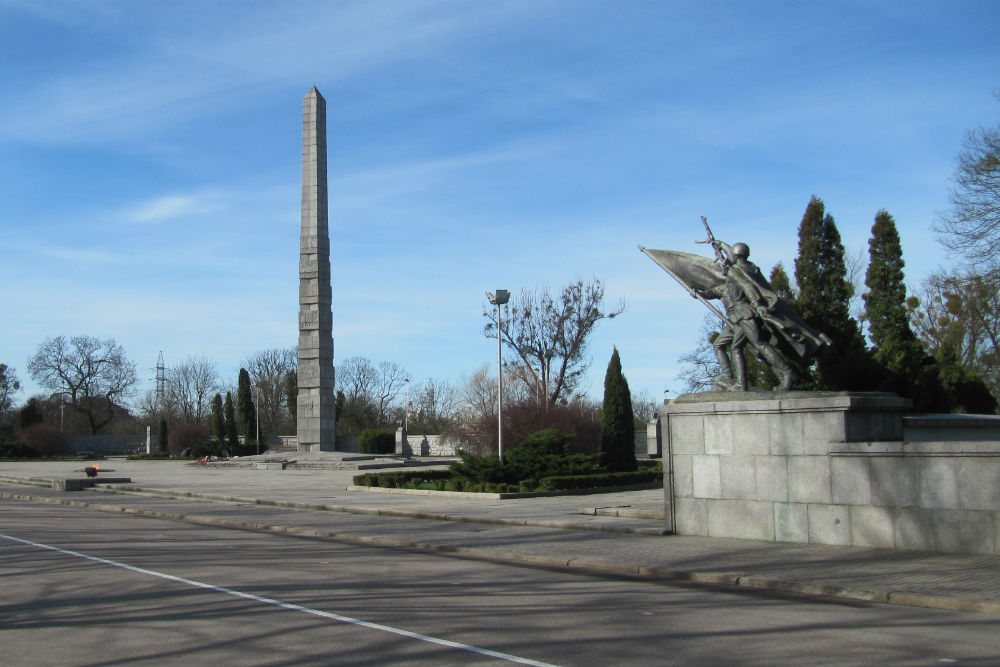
748 300
754 314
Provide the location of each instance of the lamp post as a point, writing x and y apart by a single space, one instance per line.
62 406
501 297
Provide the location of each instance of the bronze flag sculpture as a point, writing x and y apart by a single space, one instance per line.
754 314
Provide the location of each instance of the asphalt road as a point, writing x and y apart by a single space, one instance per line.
88 588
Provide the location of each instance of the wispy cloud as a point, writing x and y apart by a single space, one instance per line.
210 64
170 206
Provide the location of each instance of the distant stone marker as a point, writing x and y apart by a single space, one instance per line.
316 415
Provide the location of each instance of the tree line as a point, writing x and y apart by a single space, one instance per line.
92 382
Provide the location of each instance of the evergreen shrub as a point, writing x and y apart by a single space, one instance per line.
44 439
377 441
610 479
17 450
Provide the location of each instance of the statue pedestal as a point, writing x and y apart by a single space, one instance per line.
765 465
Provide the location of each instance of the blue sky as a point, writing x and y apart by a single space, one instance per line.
150 161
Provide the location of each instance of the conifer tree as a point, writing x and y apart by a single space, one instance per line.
617 421
29 415
912 372
885 302
824 303
245 409
162 434
229 410
218 420
781 283
292 396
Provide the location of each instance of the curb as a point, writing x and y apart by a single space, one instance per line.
507 495
592 566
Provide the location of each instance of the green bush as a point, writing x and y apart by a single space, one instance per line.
401 478
17 450
44 439
543 462
610 479
544 453
645 465
377 441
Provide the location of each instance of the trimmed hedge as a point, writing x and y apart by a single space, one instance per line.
17 450
402 478
442 480
610 479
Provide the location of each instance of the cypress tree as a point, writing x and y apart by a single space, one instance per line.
781 283
218 420
245 409
617 420
162 434
912 372
292 396
820 271
885 302
824 303
229 410
29 415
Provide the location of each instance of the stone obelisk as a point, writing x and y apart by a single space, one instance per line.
316 408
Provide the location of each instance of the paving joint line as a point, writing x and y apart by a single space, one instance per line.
590 566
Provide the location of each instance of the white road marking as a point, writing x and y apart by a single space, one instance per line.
287 605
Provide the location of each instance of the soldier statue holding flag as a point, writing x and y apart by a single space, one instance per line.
754 314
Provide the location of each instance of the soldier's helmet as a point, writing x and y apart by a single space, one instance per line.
741 250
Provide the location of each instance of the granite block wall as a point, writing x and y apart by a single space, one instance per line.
829 468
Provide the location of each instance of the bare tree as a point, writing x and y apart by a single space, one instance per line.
701 367
857 265
191 385
94 373
435 407
549 334
972 225
268 370
644 407
391 381
370 391
150 407
147 405
479 395
357 376
959 313
9 386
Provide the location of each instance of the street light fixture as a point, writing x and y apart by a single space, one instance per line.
501 297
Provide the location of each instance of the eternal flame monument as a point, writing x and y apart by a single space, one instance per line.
316 416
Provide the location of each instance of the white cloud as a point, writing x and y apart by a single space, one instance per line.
162 208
